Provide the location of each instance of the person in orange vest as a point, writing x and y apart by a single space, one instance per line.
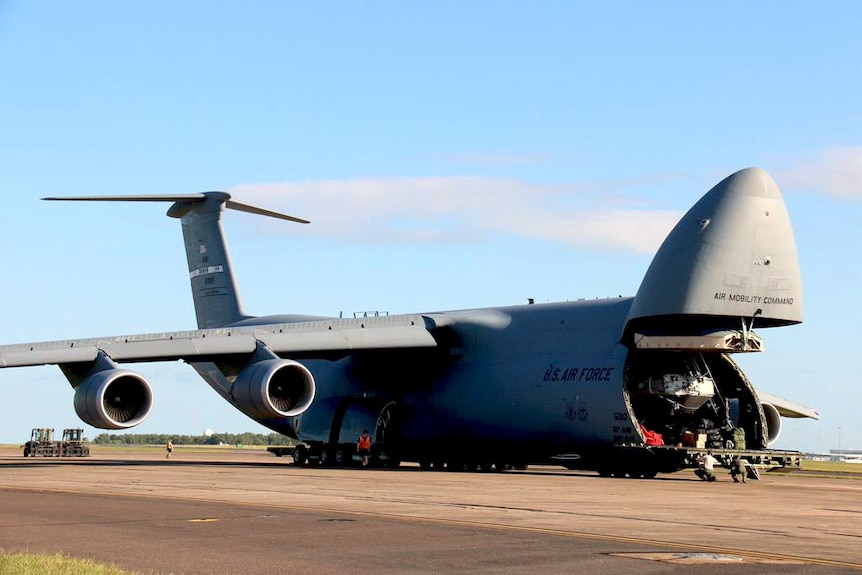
363 446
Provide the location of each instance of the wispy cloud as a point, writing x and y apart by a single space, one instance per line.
595 215
835 172
496 159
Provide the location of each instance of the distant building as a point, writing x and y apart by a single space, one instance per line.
848 455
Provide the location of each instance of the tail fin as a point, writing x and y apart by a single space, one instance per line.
214 289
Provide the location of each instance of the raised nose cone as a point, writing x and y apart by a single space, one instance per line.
750 182
732 254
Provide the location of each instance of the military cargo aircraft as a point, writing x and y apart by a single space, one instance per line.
615 385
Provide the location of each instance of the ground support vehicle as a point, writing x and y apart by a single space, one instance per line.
42 443
73 444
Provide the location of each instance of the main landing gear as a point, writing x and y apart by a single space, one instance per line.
343 455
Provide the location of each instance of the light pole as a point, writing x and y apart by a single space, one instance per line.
839 442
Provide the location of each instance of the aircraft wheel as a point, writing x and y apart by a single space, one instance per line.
604 472
425 465
339 458
485 467
300 456
325 458
649 470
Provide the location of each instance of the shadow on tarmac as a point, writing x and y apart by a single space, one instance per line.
179 462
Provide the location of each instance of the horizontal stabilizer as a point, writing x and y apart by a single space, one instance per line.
138 198
183 198
240 207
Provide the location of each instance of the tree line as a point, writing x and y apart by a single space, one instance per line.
178 439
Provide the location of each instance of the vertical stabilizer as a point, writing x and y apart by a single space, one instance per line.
214 289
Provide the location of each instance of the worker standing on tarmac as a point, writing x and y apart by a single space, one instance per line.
169 448
363 446
737 469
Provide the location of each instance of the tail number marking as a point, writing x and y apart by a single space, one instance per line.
206 271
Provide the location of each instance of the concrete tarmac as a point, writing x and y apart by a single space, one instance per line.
244 511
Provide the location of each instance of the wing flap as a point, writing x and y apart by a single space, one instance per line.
385 332
177 348
347 339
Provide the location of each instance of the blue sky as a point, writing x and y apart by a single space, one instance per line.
450 154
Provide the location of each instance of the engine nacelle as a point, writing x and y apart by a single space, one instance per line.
114 399
773 422
274 388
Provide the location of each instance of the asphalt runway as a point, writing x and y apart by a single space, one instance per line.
242 511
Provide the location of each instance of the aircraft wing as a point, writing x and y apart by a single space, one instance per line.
787 408
301 338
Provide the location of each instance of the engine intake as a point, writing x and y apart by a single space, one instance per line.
274 388
114 399
773 422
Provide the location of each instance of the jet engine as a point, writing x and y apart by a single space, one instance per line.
273 388
114 399
773 422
